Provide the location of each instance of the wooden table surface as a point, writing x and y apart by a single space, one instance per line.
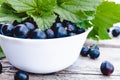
83 69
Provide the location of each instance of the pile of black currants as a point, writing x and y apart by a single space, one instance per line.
28 29
92 51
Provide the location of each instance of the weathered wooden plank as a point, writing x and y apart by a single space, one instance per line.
114 43
83 69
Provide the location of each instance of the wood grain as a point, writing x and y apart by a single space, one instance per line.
83 69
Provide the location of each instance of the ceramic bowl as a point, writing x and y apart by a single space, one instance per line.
44 55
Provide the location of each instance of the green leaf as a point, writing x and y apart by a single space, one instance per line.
8 14
70 16
23 5
76 5
88 5
1 53
1 1
76 10
46 5
84 24
44 22
106 15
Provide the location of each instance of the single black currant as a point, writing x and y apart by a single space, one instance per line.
38 34
107 68
30 26
61 32
84 51
0 68
80 30
71 27
21 75
94 53
115 32
7 29
20 31
50 33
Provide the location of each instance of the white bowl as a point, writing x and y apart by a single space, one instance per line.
44 55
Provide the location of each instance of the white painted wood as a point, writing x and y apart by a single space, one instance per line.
83 69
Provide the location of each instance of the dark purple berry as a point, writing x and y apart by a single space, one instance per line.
30 26
80 30
115 32
7 29
94 53
84 51
0 68
20 31
106 68
37 34
71 27
50 33
21 75
61 32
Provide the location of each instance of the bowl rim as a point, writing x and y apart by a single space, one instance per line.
22 39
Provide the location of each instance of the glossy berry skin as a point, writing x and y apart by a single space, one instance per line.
106 68
30 26
21 75
50 33
84 51
80 30
0 68
115 32
20 31
71 27
7 29
61 32
94 53
38 34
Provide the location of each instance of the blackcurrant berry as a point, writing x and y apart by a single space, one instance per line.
7 29
30 26
107 68
21 75
94 53
115 32
37 34
80 30
61 32
84 51
20 31
71 27
50 33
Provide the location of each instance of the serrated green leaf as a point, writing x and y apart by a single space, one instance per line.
23 5
7 13
69 15
44 22
106 15
76 5
46 5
